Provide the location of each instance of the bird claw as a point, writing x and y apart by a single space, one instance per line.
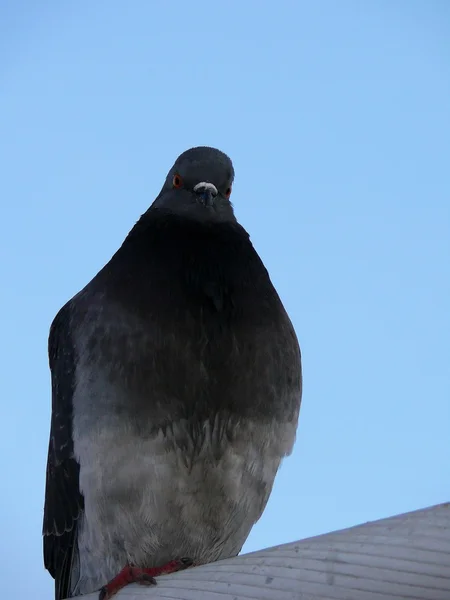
142 576
144 579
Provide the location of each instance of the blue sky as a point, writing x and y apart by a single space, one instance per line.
337 118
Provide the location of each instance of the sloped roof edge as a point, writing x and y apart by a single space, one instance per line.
406 556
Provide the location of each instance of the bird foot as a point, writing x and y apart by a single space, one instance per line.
143 576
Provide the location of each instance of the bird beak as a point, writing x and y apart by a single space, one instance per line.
206 193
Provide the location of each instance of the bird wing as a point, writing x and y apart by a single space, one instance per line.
63 500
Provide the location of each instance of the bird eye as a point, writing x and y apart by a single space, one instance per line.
177 181
228 192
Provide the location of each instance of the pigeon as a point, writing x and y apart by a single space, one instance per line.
176 389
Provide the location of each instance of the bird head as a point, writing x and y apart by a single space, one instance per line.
198 186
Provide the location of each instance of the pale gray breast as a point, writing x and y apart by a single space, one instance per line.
149 500
191 488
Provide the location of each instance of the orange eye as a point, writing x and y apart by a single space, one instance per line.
177 181
228 192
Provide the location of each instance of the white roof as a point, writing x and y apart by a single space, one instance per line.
403 557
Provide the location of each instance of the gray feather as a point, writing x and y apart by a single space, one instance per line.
187 388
